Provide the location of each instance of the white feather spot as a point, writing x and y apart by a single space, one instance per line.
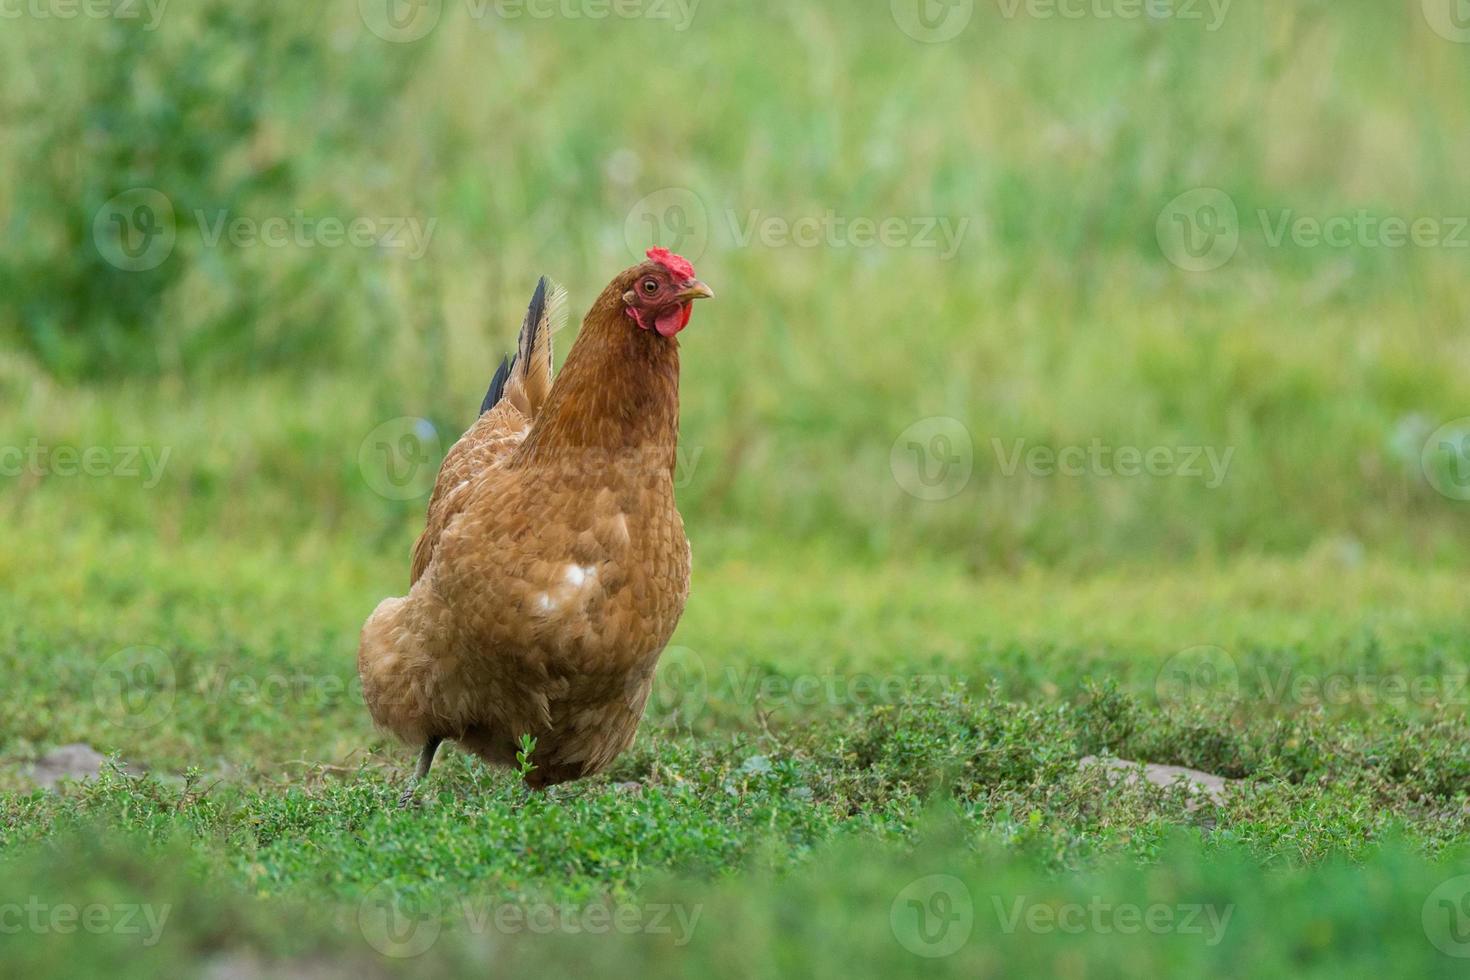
580 575
545 602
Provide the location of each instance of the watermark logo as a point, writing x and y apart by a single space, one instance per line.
1199 231
136 230
1210 13
135 688
221 683
805 691
397 925
936 233
408 236
407 21
678 13
674 218
933 459
684 686
676 922
400 458
145 463
1446 917
1446 459
679 219
1197 676
130 10
42 918
1106 918
1450 19
932 21
400 21
1360 687
933 917
680 687
403 926
1206 463
1362 229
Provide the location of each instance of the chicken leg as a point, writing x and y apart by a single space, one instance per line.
426 762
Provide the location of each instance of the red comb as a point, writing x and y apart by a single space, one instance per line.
676 264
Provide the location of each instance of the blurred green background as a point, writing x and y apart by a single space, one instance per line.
533 145
260 262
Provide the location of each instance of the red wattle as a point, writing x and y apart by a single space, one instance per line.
675 320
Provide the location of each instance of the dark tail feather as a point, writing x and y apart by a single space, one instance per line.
534 315
497 385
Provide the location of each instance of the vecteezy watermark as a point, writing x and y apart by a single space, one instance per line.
135 688
1209 675
406 21
1450 19
400 21
937 233
399 459
1446 459
221 684
1446 917
408 236
152 10
1200 675
932 21
933 917
138 687
671 217
1210 13
677 218
933 459
1362 229
681 686
1288 686
399 925
146 463
750 687
1106 918
1206 463
684 686
935 21
1200 230
98 919
405 926
138 230
679 14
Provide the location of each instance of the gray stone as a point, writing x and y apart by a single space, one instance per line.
70 762
1201 784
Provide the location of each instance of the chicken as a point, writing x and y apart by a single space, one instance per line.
553 567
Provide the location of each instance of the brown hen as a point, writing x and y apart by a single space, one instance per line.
553 567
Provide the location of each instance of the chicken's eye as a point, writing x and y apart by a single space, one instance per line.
650 286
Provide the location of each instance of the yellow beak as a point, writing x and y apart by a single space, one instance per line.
697 290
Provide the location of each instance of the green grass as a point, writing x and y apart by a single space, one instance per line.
845 712
870 689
